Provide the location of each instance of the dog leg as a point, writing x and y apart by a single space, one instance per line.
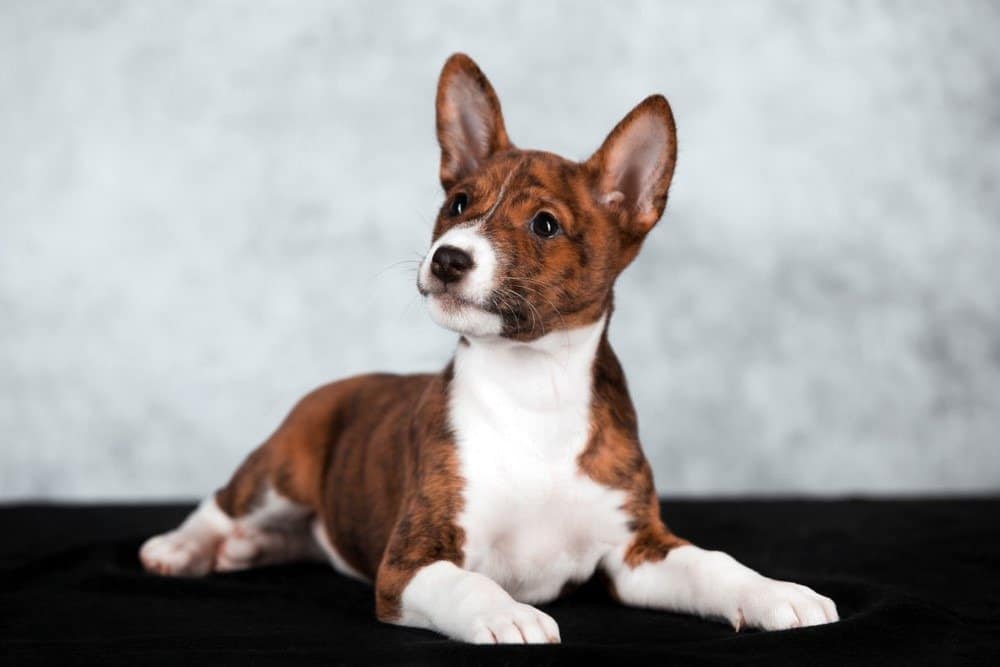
189 550
712 584
246 523
469 607
276 531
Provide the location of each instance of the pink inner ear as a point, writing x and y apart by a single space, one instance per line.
636 160
470 118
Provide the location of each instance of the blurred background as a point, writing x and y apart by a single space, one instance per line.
203 204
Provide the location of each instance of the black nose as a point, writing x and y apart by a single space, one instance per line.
449 263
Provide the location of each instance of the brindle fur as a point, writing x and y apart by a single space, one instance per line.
374 456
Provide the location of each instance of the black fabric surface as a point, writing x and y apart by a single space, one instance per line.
916 582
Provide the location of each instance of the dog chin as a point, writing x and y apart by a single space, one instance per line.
463 317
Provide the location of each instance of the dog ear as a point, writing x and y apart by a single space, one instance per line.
469 122
634 165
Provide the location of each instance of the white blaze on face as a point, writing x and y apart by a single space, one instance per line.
460 308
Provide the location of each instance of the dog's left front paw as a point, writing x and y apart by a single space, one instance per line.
767 604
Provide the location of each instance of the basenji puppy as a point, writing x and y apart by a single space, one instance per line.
470 495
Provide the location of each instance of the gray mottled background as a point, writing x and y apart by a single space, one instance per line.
201 205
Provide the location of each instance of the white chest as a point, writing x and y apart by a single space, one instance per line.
521 415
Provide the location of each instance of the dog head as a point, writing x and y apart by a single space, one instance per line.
528 242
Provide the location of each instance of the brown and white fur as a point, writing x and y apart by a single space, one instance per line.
469 495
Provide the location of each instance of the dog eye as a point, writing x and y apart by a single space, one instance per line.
544 224
458 204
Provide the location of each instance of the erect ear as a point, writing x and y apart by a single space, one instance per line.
634 166
469 122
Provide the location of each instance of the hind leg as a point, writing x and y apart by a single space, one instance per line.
190 549
247 547
275 531
278 531
264 515
249 522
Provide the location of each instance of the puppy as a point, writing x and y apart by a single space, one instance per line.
470 495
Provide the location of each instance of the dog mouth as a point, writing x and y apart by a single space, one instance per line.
449 298
452 302
459 313
512 309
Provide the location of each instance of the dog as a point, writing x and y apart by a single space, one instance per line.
468 496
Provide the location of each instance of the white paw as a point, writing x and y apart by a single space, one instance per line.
179 554
240 550
514 623
767 604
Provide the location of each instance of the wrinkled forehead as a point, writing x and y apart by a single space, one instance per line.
527 176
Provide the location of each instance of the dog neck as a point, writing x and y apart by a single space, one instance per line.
549 379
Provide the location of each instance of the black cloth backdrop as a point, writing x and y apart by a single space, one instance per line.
916 582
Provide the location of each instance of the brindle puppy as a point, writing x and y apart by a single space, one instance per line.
468 495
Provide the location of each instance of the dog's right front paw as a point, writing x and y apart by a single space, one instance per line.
178 554
514 623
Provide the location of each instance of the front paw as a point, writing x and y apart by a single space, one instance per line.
513 623
767 604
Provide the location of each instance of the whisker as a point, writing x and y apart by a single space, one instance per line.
510 308
406 308
537 292
536 317
393 266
